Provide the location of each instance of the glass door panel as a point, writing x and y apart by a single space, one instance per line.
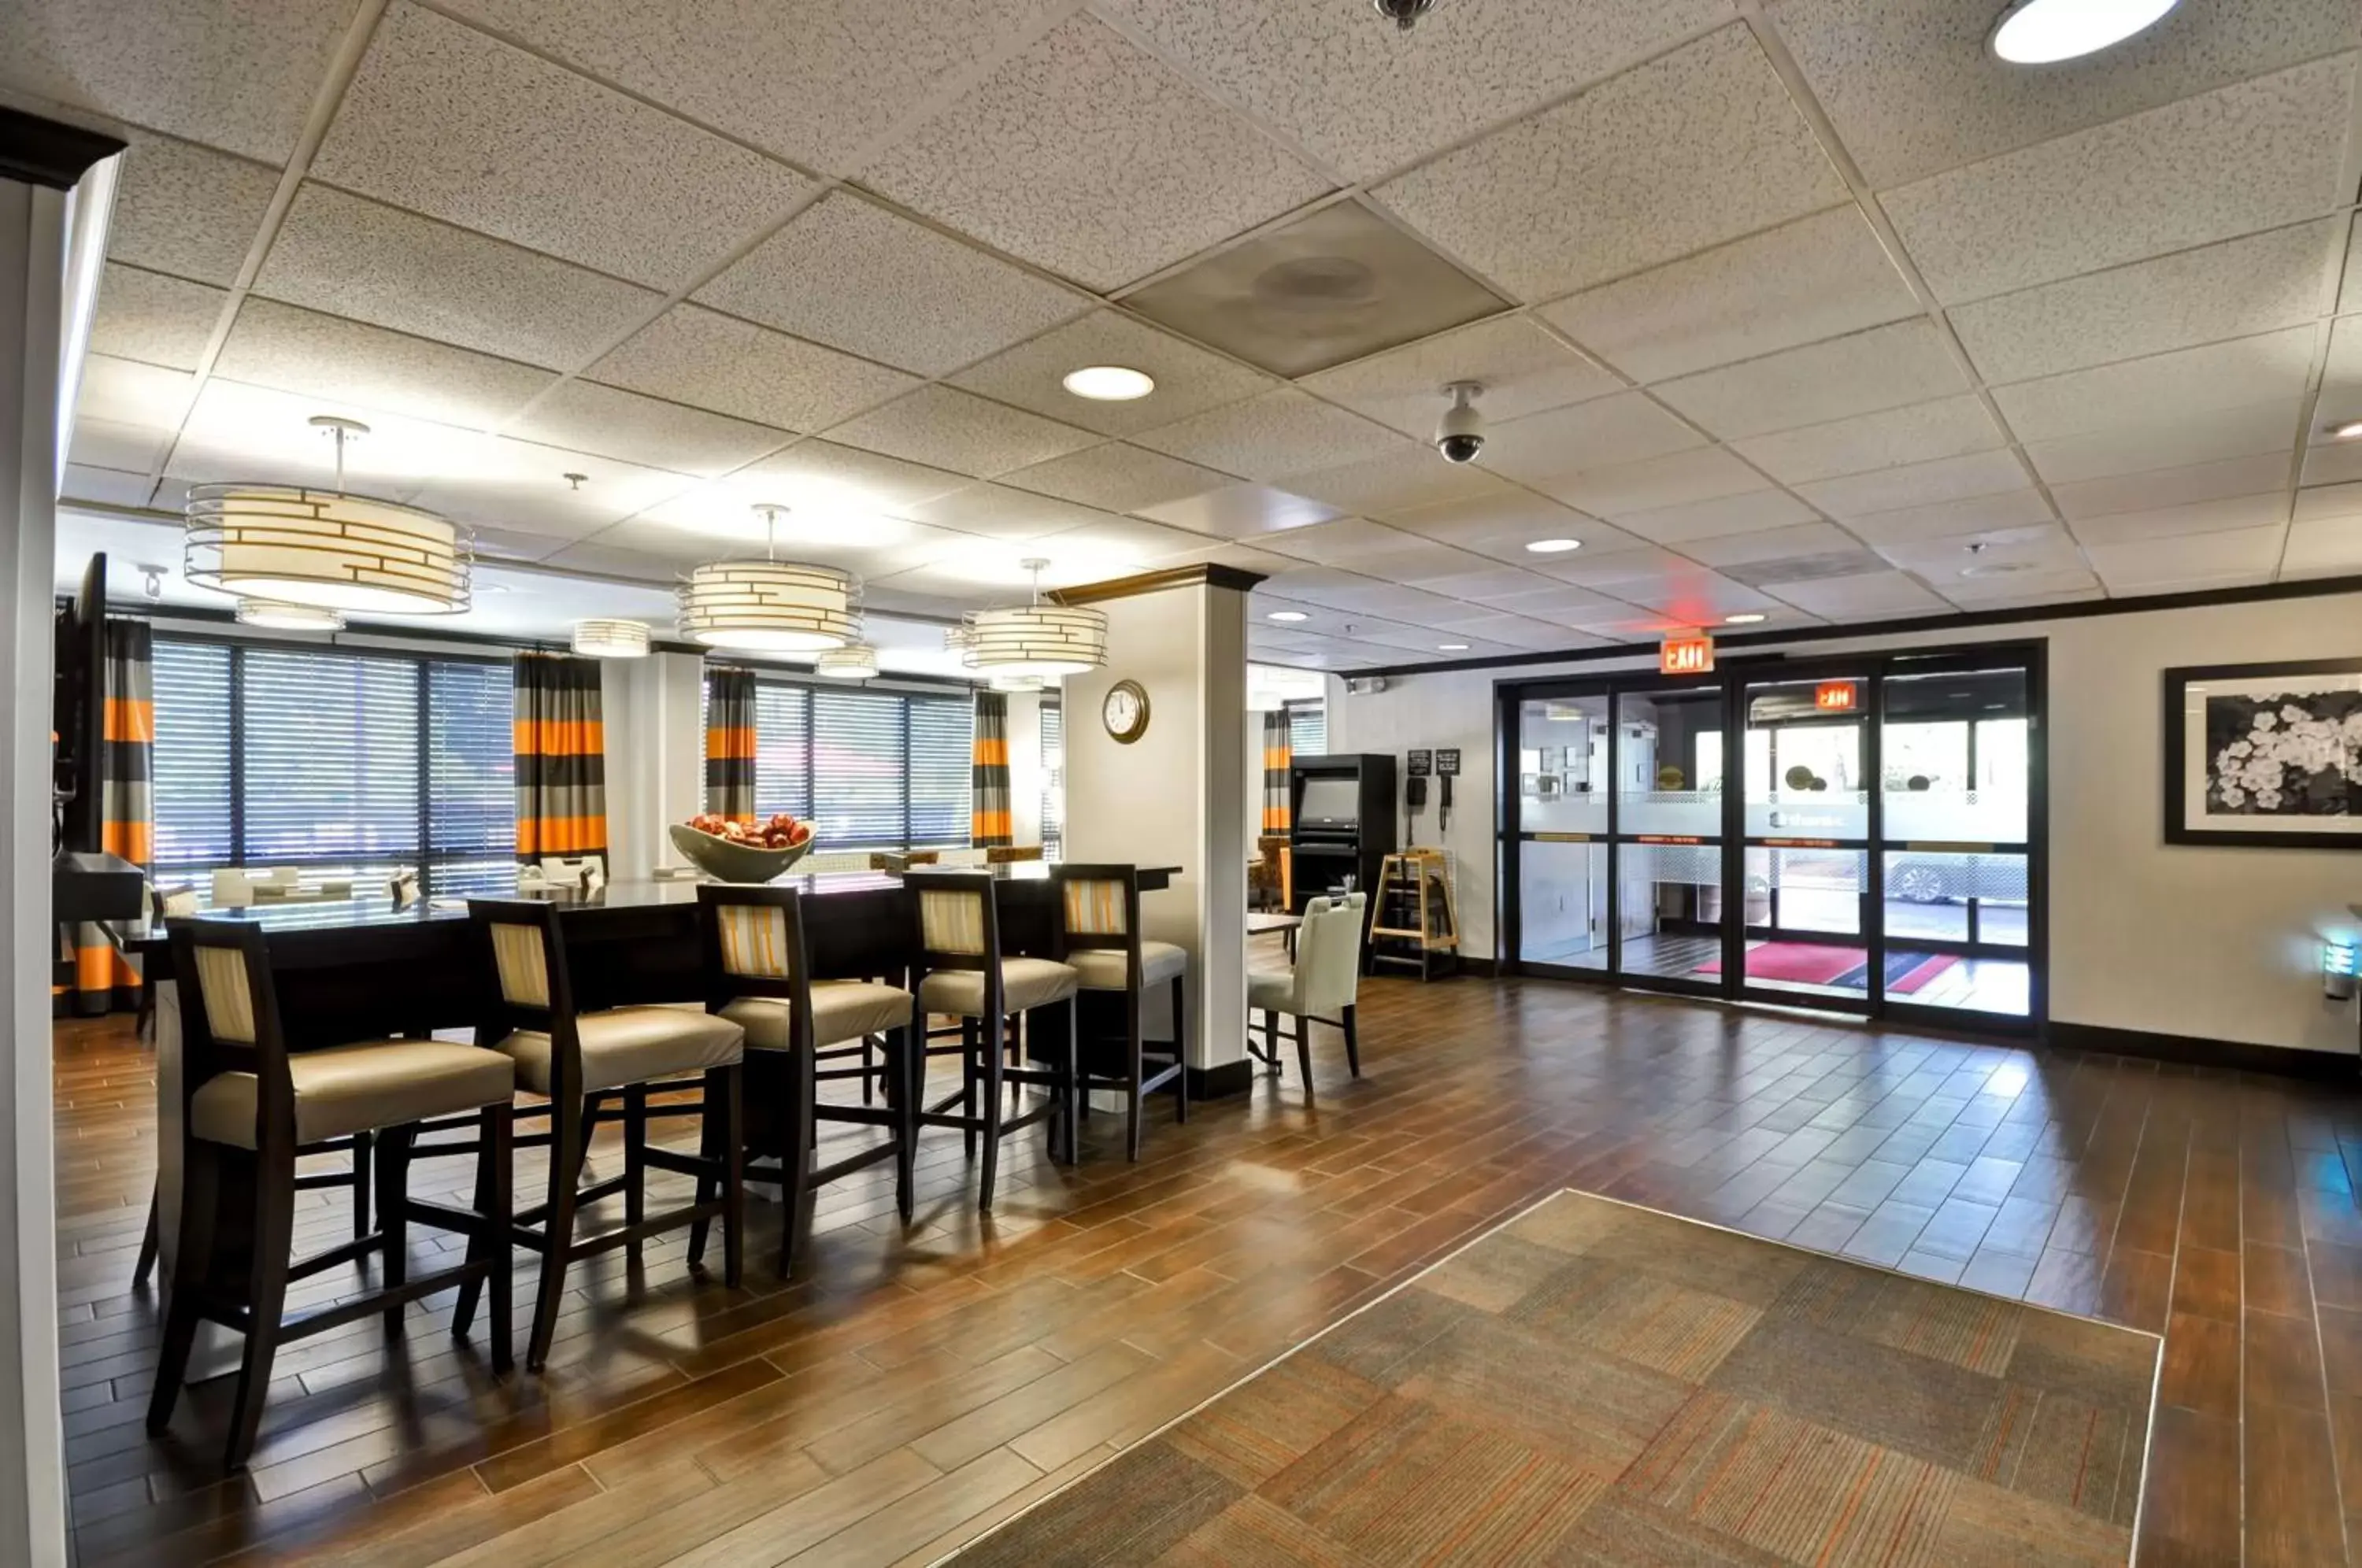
1562 903
1805 856
1669 900
1562 817
1669 795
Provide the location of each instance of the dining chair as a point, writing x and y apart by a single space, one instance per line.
1318 987
248 1108
1098 934
757 973
568 1056
966 977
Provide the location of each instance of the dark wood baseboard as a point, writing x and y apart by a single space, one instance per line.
1221 1082
2334 1067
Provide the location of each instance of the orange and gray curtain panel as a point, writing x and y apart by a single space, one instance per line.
730 744
1276 756
103 976
561 758
990 825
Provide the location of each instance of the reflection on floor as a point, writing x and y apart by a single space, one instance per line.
1924 978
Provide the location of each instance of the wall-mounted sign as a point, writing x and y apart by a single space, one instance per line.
1422 763
1686 655
1835 696
1447 761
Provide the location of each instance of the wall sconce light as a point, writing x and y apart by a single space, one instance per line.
2337 970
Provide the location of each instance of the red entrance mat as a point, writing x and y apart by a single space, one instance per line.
1809 963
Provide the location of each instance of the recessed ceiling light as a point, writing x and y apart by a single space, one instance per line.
2349 431
1290 615
1554 547
1744 618
1452 647
2043 32
1109 383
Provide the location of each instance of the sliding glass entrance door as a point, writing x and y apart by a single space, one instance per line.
1806 845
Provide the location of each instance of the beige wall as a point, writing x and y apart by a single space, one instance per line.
2219 943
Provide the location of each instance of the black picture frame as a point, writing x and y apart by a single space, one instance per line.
2179 759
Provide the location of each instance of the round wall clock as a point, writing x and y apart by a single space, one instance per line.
1125 711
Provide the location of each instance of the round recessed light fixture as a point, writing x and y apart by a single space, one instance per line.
1290 616
1452 647
2044 32
1745 618
1109 383
1554 547
2349 431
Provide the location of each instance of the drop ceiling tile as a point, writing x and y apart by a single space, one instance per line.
1870 596
998 571
1619 490
1917 484
949 430
1402 481
1952 519
2333 462
2184 384
1515 632
2222 516
1500 527
1912 89
1693 149
2331 548
1974 557
2238 289
584 416
104 487
1770 544
1546 450
2159 563
238 431
820 473
122 392
187 210
680 535
1920 433
2327 502
1523 368
1360 102
2341 380
998 512
446 121
1704 600
1483 581
1348 542
2179 442
1087 156
2349 297
152 319
518 485
1818 277
713 361
1239 511
2020 590
101 444
2225 164
278 345
237 77
349 257
1118 477
1886 367
822 90
1559 603
1610 570
1188 379
1703 519
1268 437
2172 487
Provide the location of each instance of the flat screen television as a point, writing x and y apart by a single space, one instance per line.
1330 803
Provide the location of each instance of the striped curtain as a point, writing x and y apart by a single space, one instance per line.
1276 756
730 744
561 758
104 977
990 825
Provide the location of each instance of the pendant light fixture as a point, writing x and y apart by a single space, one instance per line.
610 639
273 616
1049 641
855 661
326 549
769 605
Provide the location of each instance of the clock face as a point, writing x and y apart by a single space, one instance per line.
1125 712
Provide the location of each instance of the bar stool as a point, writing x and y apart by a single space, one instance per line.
1319 988
758 976
249 1107
1098 933
568 1056
966 977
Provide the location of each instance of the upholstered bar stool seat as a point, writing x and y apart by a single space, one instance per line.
630 1045
1103 968
1025 983
358 1088
841 1011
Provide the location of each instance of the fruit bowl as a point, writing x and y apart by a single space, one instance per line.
732 860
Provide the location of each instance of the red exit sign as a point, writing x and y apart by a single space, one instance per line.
1834 696
1686 655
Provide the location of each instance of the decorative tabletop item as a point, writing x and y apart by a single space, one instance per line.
730 851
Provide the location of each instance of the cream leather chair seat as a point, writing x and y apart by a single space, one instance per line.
1025 983
1102 968
355 1088
632 1046
842 1010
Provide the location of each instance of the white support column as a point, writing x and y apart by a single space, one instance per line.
655 715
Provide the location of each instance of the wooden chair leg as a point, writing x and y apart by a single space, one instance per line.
1271 1042
1180 1049
868 1068
1353 1043
708 1187
1304 1051
148 1243
733 1171
1073 1093
796 1157
266 1298
636 1163
991 1086
393 1185
498 1156
906 1060
192 1276
362 1142
481 1249
1136 1068
565 1137
971 1034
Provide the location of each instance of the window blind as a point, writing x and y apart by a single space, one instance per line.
858 767
471 778
331 756
942 768
867 768
1053 780
194 825
782 750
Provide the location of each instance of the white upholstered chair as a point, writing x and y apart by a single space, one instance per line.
1319 988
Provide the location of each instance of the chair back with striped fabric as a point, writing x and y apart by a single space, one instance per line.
1098 907
752 938
229 1017
527 983
958 920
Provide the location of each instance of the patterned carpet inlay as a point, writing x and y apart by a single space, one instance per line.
1594 1383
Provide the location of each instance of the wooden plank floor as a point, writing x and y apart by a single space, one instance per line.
911 1388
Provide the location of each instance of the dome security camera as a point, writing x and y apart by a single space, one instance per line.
1461 434
1403 14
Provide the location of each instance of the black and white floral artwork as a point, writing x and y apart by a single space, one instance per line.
2265 754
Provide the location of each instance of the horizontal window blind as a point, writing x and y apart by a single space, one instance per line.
1308 728
331 755
1053 780
471 778
942 769
867 768
193 821
858 767
783 751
